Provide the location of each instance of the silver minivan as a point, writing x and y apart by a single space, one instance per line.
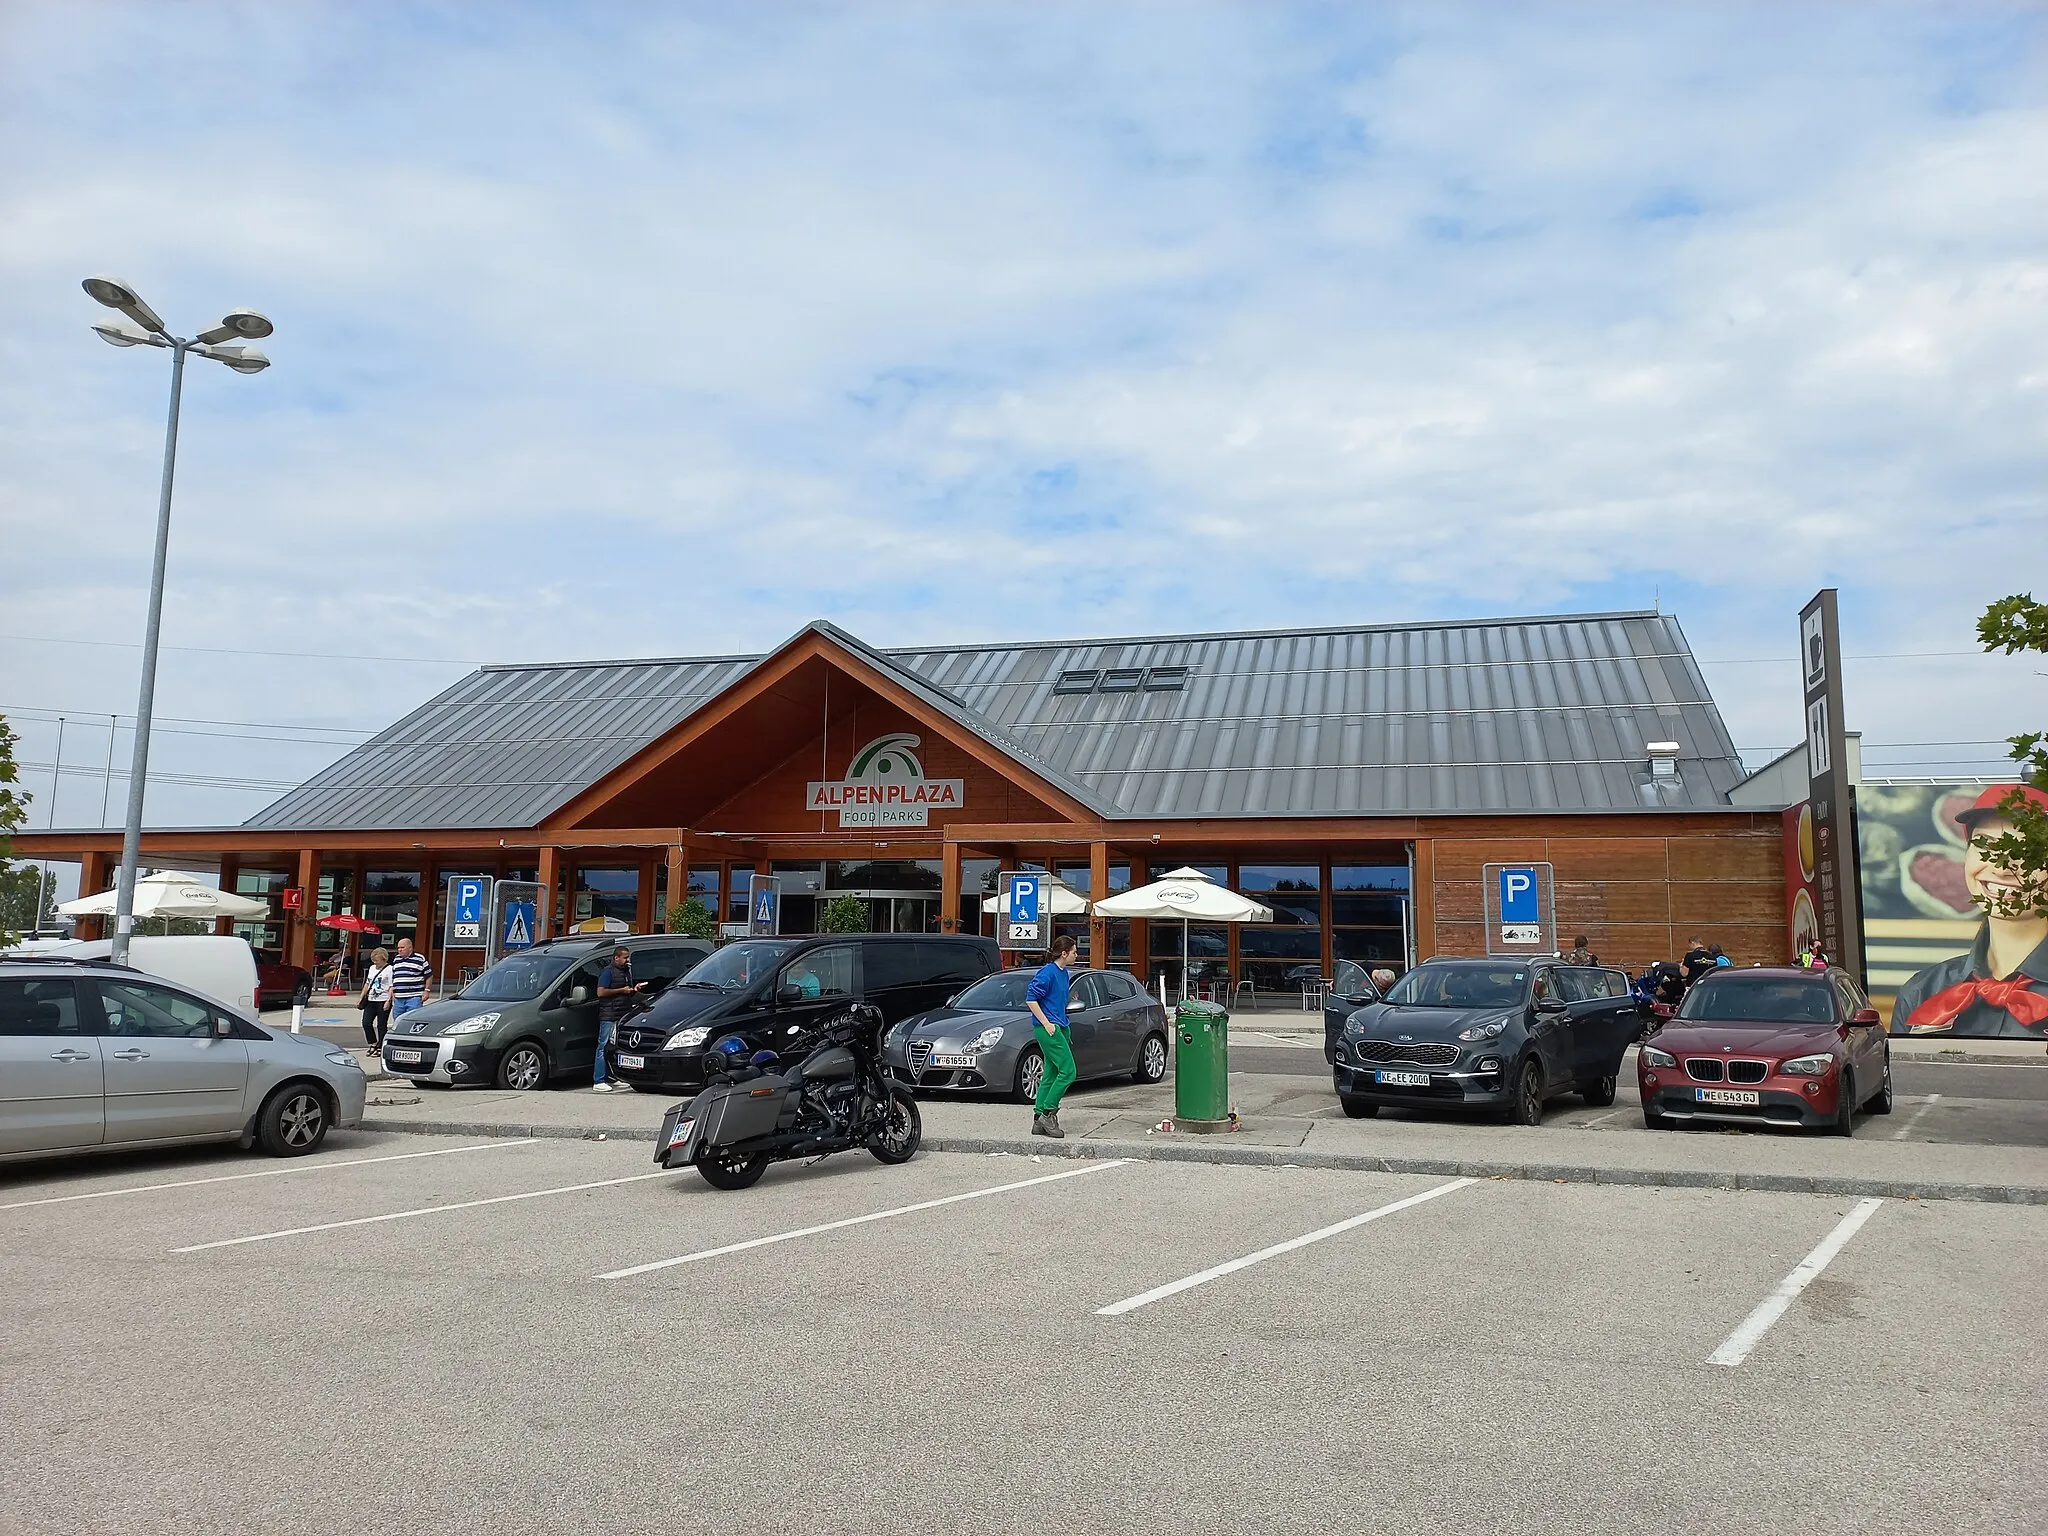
95 1056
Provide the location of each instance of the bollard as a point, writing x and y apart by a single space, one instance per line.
298 1016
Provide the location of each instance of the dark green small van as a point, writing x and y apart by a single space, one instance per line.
532 1017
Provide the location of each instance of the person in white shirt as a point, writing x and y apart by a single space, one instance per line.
376 999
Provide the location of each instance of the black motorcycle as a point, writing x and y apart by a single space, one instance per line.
755 1112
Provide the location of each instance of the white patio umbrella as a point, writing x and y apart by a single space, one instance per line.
1191 896
601 925
171 893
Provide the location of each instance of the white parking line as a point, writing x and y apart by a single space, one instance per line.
1736 1347
1600 1119
266 1173
855 1221
1160 1293
424 1210
1907 1129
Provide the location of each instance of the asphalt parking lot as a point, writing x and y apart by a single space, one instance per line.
409 1332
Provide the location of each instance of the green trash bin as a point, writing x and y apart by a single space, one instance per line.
1201 1062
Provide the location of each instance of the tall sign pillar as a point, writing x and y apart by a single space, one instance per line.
1838 894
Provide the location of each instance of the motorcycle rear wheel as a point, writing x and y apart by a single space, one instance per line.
902 1130
733 1172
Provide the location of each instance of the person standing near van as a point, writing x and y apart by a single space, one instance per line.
409 976
376 999
616 989
1047 1000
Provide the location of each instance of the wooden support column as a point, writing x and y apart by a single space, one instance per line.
949 888
643 902
230 866
1422 899
548 873
298 939
679 882
92 879
1098 887
1141 928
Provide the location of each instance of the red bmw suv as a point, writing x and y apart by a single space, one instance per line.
1772 1045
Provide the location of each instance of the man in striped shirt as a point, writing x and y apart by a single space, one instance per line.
409 975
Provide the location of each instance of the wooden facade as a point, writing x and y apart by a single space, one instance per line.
727 788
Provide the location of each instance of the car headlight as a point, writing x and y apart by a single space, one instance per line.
1489 1031
475 1024
1809 1066
990 1036
343 1059
1652 1057
683 1039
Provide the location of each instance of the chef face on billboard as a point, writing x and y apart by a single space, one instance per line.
1999 986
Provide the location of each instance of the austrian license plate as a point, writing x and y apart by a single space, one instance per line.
635 1063
1403 1079
410 1058
681 1133
1726 1096
951 1059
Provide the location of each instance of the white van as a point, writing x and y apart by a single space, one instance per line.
220 965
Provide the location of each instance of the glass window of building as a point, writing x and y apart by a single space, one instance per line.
604 891
265 936
1369 914
391 900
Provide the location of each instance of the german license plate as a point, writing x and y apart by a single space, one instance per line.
1726 1096
410 1058
681 1133
635 1063
951 1059
1403 1079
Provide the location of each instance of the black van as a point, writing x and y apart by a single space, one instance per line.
766 991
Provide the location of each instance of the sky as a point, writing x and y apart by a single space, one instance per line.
616 330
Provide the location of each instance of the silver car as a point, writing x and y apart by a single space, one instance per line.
95 1057
981 1041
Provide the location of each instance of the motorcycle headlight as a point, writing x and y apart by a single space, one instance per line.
476 1024
1652 1057
990 1036
1488 1031
1809 1066
683 1039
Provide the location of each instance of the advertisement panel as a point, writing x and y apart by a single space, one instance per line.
1834 894
1936 965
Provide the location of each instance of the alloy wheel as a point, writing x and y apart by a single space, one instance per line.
1031 1075
300 1119
897 1129
1154 1063
523 1070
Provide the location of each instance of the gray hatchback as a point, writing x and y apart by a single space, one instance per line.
96 1056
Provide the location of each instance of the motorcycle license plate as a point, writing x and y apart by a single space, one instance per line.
410 1058
951 1059
635 1063
681 1133
1726 1096
1403 1079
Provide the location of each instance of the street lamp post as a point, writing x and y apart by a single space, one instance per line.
146 330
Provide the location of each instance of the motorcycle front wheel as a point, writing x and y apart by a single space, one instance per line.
733 1172
902 1129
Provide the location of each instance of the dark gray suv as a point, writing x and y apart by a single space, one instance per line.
532 1017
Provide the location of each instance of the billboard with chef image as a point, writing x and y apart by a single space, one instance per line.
1951 950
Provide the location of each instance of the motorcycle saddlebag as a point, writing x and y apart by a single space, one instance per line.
723 1115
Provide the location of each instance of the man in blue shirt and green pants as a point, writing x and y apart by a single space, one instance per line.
1047 1000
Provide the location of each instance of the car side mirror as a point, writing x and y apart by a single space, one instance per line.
223 1026
578 996
1550 1005
788 995
1865 1016
1365 996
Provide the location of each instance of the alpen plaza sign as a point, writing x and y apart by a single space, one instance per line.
885 786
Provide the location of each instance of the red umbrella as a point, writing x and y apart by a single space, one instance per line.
348 922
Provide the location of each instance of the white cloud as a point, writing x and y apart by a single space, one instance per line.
604 333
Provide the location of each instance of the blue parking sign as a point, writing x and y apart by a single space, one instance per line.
469 900
1518 902
1024 897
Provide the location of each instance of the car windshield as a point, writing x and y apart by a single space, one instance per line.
1757 1000
1461 986
1002 991
518 978
738 966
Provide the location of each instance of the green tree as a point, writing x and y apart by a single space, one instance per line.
13 813
2013 625
692 919
18 885
846 914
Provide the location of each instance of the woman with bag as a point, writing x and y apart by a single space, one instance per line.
376 999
